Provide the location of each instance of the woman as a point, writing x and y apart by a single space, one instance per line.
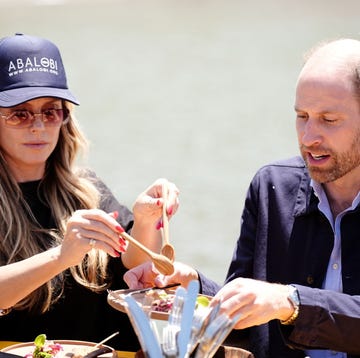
60 243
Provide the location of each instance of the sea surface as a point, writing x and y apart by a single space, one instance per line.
200 92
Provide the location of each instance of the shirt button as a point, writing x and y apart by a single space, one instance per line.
335 266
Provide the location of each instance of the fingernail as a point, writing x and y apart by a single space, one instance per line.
159 225
170 210
122 241
119 228
158 202
117 254
114 214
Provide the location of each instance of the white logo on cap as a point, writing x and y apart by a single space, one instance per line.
34 64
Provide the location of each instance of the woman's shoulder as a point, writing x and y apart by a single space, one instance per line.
86 173
108 201
91 176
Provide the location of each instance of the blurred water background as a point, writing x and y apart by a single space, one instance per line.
200 92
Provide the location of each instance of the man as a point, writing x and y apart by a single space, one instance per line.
301 226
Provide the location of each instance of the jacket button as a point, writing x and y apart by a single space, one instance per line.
310 280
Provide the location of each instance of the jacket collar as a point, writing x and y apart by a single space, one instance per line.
306 202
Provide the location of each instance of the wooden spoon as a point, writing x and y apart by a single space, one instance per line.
106 339
161 262
167 249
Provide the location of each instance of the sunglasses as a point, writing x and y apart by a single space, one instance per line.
23 118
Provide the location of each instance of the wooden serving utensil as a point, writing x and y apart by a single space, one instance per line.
167 249
161 262
106 339
97 350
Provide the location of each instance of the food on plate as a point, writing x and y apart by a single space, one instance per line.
155 302
44 348
161 301
202 301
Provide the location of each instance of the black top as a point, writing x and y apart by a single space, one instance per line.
80 314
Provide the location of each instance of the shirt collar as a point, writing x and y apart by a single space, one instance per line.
323 200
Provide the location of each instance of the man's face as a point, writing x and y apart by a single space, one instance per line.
328 124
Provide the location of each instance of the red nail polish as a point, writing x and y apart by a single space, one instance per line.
122 241
170 210
158 202
119 228
117 254
116 214
159 225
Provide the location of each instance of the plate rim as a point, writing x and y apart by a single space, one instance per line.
163 316
64 342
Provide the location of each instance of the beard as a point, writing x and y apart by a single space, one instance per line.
341 163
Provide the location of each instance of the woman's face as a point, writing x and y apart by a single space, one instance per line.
26 149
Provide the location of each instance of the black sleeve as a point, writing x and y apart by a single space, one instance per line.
208 286
242 262
116 271
327 320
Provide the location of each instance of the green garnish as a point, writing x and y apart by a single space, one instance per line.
39 347
40 340
202 301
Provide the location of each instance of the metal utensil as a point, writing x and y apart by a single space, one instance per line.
122 293
170 332
141 324
200 323
214 335
187 317
97 352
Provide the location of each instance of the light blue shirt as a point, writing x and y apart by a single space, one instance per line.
333 278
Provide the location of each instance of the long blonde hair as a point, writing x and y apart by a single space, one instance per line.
65 190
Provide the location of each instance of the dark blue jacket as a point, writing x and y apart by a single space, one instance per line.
284 238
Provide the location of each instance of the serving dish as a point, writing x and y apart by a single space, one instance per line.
71 348
116 300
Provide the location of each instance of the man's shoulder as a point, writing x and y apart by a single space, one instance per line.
289 163
284 170
285 181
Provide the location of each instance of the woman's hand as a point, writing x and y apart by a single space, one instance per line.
148 205
91 229
85 230
147 212
146 275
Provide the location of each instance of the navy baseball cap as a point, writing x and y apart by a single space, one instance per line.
31 67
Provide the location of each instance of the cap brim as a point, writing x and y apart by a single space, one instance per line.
17 96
